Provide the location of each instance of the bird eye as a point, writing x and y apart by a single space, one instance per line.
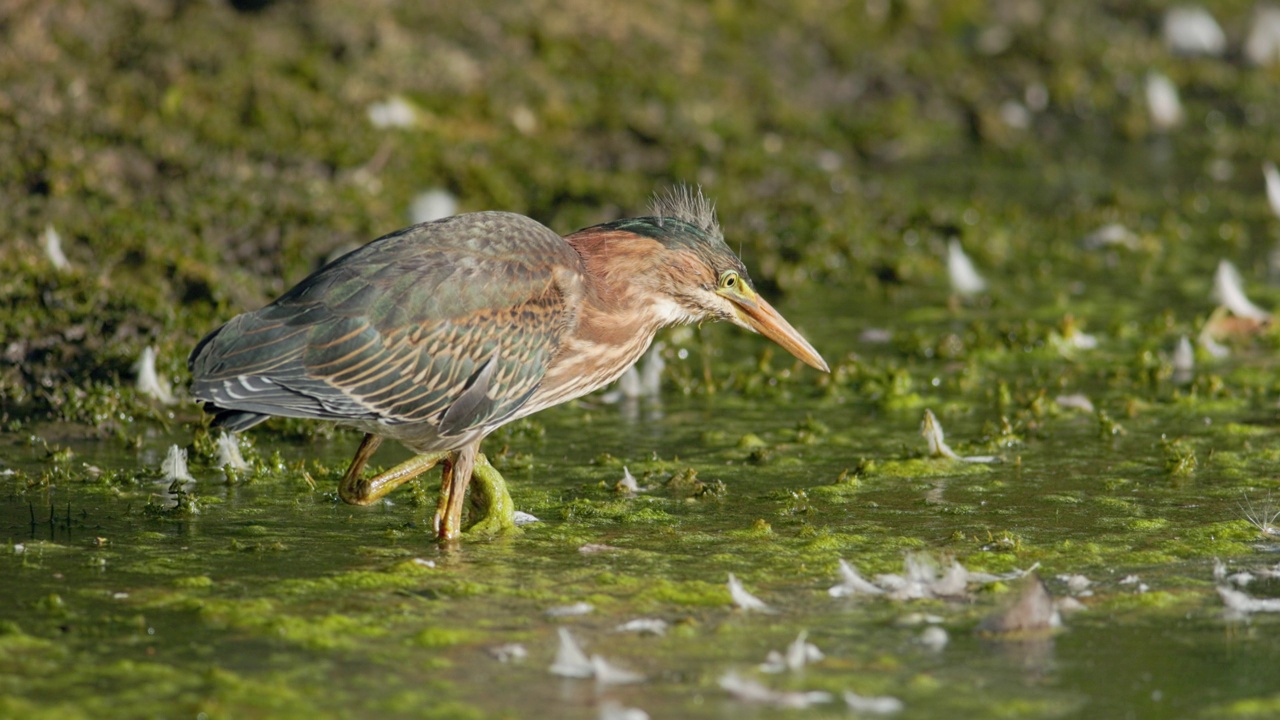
729 280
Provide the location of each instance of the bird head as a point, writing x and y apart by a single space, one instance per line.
679 256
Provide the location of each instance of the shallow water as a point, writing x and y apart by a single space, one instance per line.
271 598
197 158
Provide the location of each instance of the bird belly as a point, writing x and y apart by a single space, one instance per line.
583 367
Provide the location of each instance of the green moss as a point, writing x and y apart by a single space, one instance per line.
760 530
1124 505
1256 707
1026 707
20 707
15 642
197 160
273 693
194 582
1151 600
428 705
1148 525
928 468
444 637
1057 499
839 492
326 632
401 575
692 593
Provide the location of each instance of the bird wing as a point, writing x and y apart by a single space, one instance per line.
451 323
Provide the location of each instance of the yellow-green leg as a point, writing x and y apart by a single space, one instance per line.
492 511
453 488
355 489
491 506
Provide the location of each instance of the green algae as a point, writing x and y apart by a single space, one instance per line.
1260 707
927 468
842 168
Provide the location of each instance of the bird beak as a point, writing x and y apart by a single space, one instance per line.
760 316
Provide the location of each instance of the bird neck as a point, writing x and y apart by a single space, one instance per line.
625 304
621 308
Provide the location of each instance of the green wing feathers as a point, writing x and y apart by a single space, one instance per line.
467 310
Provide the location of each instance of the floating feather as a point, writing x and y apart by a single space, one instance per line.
229 456
1228 289
51 241
1191 30
394 112
882 705
751 691
965 279
432 205
744 599
1163 103
149 383
174 467
931 430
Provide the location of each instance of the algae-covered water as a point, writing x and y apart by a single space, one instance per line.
263 595
173 164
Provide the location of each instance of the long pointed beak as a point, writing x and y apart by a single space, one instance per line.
762 318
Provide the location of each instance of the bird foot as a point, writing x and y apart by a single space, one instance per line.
356 489
492 511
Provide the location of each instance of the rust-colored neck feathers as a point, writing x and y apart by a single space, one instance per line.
616 262
620 310
614 311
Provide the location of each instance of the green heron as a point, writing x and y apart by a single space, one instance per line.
437 334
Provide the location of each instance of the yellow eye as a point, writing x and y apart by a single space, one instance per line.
729 280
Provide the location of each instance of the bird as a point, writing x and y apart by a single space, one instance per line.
437 334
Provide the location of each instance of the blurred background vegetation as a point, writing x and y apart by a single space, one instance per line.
197 158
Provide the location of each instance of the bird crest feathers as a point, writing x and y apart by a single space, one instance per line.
687 203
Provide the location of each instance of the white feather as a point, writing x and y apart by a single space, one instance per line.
1163 103
1228 289
149 382
965 279
1262 47
229 453
174 467
52 243
1191 30
744 599
395 112
432 205
1272 177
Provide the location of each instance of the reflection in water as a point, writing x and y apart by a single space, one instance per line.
638 392
1034 656
641 411
1023 631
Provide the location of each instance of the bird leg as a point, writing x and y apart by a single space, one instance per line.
491 503
439 521
453 488
355 489
489 496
